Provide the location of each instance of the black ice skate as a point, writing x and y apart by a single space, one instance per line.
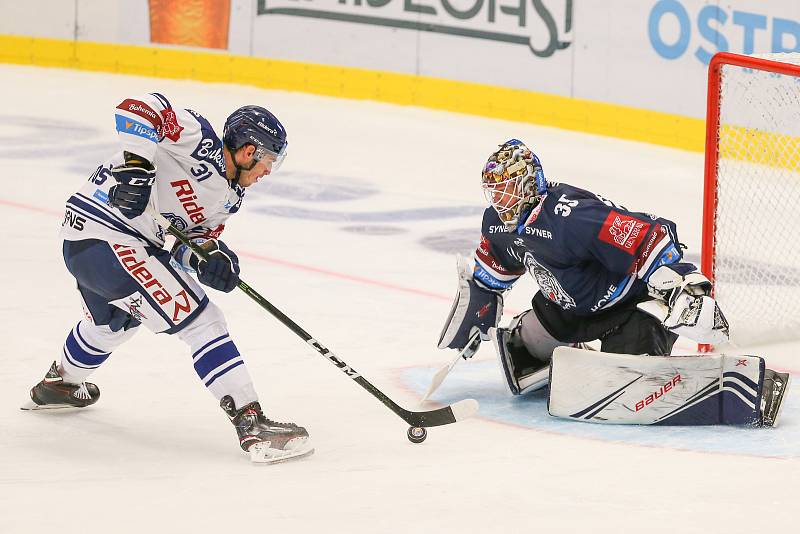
266 440
774 390
53 393
523 372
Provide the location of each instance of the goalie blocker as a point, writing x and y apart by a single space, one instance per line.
710 389
476 307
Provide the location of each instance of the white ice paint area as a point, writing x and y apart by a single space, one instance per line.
355 239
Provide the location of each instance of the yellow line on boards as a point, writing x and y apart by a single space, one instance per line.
463 97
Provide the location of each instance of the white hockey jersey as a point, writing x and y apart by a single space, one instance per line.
190 187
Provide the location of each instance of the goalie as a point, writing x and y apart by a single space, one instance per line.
604 273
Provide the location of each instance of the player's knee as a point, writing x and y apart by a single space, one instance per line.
102 336
535 338
525 349
208 325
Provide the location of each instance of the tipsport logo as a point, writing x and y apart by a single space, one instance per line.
132 127
485 19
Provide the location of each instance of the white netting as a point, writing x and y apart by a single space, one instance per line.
757 243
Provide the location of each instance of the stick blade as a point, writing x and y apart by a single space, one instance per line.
465 409
443 416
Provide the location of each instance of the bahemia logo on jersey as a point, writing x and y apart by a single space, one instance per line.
140 108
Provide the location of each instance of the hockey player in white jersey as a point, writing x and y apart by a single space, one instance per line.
172 162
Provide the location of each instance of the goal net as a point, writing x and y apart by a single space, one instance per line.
751 235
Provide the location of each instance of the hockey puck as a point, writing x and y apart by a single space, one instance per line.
416 434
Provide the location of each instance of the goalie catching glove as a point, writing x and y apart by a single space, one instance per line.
684 305
475 307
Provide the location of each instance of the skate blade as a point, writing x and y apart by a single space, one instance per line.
262 454
31 406
783 400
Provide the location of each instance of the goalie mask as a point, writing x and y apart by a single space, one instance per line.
513 181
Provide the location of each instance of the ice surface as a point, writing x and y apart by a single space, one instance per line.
355 240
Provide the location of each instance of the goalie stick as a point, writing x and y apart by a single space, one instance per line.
442 416
467 352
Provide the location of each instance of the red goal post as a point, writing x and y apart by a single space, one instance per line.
751 208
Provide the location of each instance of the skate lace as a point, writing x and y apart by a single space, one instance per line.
82 392
272 422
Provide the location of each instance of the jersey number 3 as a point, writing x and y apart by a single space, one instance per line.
564 206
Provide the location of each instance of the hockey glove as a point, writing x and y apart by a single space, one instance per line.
135 179
682 303
475 306
668 281
221 271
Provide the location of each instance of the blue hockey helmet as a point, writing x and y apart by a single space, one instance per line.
256 126
513 181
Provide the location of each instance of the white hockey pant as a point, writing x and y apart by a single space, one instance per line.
539 343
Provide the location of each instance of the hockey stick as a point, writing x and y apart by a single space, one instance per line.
467 352
442 416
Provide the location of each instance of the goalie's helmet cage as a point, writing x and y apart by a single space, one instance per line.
751 248
513 181
256 126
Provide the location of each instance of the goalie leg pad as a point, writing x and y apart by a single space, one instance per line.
474 307
710 389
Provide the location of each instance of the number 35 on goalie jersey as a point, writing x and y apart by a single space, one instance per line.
586 253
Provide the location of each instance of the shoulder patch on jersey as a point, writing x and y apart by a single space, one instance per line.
623 231
486 258
141 109
132 127
170 127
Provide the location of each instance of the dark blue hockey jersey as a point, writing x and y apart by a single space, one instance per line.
586 253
